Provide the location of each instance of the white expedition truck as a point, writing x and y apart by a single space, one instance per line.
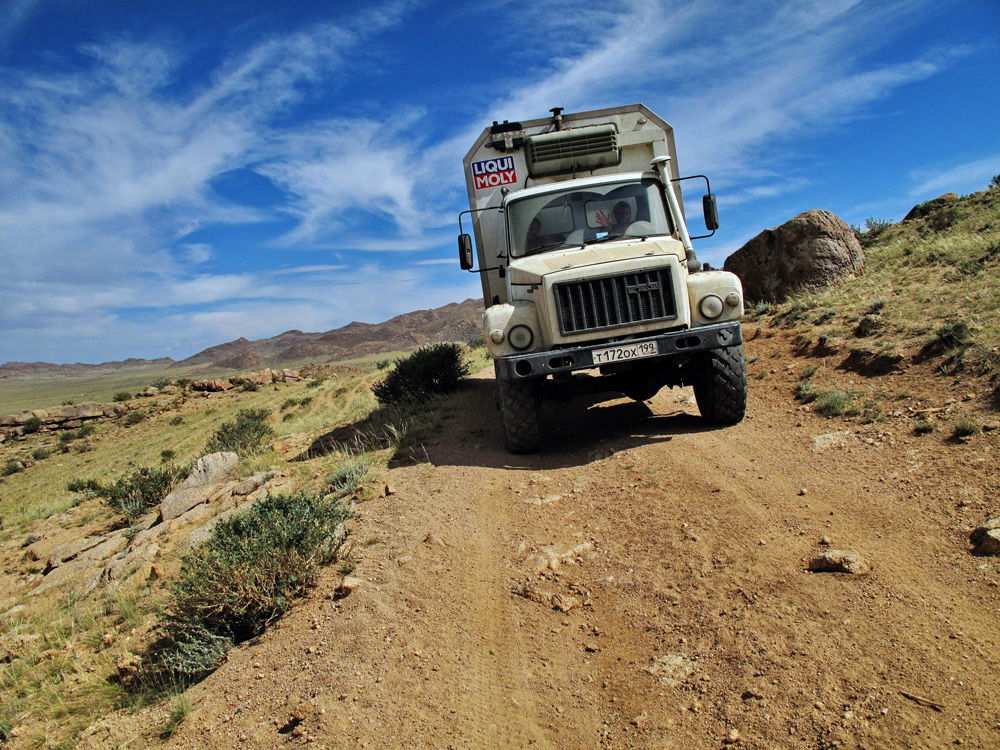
589 278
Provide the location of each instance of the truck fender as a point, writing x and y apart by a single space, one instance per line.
499 320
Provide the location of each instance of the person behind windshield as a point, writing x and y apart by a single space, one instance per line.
533 239
622 218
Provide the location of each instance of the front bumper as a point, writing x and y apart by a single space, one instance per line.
675 343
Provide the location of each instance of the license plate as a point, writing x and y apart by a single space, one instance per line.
627 351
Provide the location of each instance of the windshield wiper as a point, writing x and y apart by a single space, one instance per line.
552 246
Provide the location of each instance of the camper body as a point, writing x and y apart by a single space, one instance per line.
589 277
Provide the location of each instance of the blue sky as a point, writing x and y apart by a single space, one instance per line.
178 174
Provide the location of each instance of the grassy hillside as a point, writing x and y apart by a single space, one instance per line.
61 649
929 297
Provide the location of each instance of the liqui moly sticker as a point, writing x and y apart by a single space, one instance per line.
494 172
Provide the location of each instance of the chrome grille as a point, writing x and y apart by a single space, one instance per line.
614 301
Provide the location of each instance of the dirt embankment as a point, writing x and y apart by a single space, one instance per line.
643 583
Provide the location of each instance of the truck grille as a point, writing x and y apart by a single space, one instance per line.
614 301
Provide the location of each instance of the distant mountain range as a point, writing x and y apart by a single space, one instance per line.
458 321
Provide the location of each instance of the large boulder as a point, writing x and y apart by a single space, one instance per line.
811 251
209 472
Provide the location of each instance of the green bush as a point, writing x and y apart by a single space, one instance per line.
249 387
134 493
833 403
805 392
133 417
40 453
429 371
966 428
11 467
243 578
167 455
176 420
954 335
348 477
923 427
34 424
122 396
243 435
161 383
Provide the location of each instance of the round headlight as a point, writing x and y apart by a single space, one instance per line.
520 337
732 299
710 306
496 336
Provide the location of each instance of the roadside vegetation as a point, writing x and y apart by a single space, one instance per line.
929 296
72 654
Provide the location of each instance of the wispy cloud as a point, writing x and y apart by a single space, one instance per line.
109 186
969 176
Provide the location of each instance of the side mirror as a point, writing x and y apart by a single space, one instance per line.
465 252
711 211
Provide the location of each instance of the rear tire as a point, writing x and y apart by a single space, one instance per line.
720 385
520 403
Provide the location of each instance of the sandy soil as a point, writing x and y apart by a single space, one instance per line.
679 554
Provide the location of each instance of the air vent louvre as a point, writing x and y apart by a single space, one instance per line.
575 150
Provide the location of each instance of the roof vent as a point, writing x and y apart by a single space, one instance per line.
575 150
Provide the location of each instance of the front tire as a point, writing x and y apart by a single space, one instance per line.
720 384
520 403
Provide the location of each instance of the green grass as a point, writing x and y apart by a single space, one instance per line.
243 578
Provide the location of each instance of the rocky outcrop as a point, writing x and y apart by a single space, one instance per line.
209 472
811 251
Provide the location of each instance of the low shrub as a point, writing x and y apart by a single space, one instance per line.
133 418
134 493
176 420
966 428
348 477
954 335
243 578
805 392
161 383
40 453
167 455
243 435
249 387
12 466
122 396
34 424
429 371
833 403
924 427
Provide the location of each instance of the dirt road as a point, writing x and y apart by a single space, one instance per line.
643 583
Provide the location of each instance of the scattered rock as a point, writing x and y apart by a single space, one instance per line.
839 561
830 440
208 472
555 600
248 485
812 250
69 550
348 586
987 538
671 669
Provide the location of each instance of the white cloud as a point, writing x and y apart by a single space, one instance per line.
308 269
968 177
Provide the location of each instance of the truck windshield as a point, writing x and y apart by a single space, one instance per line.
585 216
